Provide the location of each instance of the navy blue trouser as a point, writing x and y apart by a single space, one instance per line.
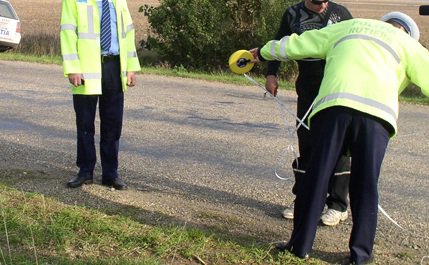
111 106
335 130
339 183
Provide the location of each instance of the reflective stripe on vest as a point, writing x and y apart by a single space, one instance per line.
359 99
90 35
70 57
123 27
90 19
68 27
378 41
96 76
130 27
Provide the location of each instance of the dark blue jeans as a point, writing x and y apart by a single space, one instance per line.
111 108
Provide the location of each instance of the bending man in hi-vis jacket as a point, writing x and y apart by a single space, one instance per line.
368 64
100 61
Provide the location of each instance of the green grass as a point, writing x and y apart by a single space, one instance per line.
411 95
11 56
219 76
39 230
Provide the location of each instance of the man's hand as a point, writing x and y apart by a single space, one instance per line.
76 79
254 52
131 79
271 84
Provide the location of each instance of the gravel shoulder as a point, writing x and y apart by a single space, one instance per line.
203 154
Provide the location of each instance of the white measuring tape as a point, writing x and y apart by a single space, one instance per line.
290 148
240 62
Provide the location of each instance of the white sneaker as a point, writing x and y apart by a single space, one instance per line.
333 217
288 212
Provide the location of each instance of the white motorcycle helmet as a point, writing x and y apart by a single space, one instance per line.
405 21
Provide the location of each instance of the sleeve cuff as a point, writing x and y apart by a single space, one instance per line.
262 59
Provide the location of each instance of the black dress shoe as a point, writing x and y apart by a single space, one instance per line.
284 246
116 183
79 180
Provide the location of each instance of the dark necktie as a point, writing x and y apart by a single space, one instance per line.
105 26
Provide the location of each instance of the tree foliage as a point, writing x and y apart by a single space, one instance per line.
201 34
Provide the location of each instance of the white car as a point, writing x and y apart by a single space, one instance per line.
10 27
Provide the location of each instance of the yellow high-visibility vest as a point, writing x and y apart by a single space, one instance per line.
80 43
368 64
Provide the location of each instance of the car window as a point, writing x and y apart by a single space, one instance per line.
6 11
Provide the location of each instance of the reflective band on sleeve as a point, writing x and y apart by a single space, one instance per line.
70 57
359 99
68 27
273 50
378 41
283 47
132 54
124 74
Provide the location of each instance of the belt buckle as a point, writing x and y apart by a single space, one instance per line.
108 57
105 56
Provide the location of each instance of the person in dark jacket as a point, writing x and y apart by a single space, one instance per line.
308 15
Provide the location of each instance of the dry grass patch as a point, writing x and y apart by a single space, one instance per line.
43 16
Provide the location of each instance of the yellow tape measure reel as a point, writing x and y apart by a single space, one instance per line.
239 62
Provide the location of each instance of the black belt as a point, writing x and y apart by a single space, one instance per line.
109 58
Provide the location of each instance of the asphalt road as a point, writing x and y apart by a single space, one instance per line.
204 154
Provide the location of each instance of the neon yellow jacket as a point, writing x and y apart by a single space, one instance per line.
80 43
368 64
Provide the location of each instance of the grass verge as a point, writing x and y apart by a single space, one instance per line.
411 95
39 230
220 76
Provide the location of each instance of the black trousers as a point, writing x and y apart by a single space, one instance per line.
339 182
333 130
111 107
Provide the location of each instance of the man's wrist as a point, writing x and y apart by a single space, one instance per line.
270 74
262 59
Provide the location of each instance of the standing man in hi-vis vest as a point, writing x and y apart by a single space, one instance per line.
100 61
